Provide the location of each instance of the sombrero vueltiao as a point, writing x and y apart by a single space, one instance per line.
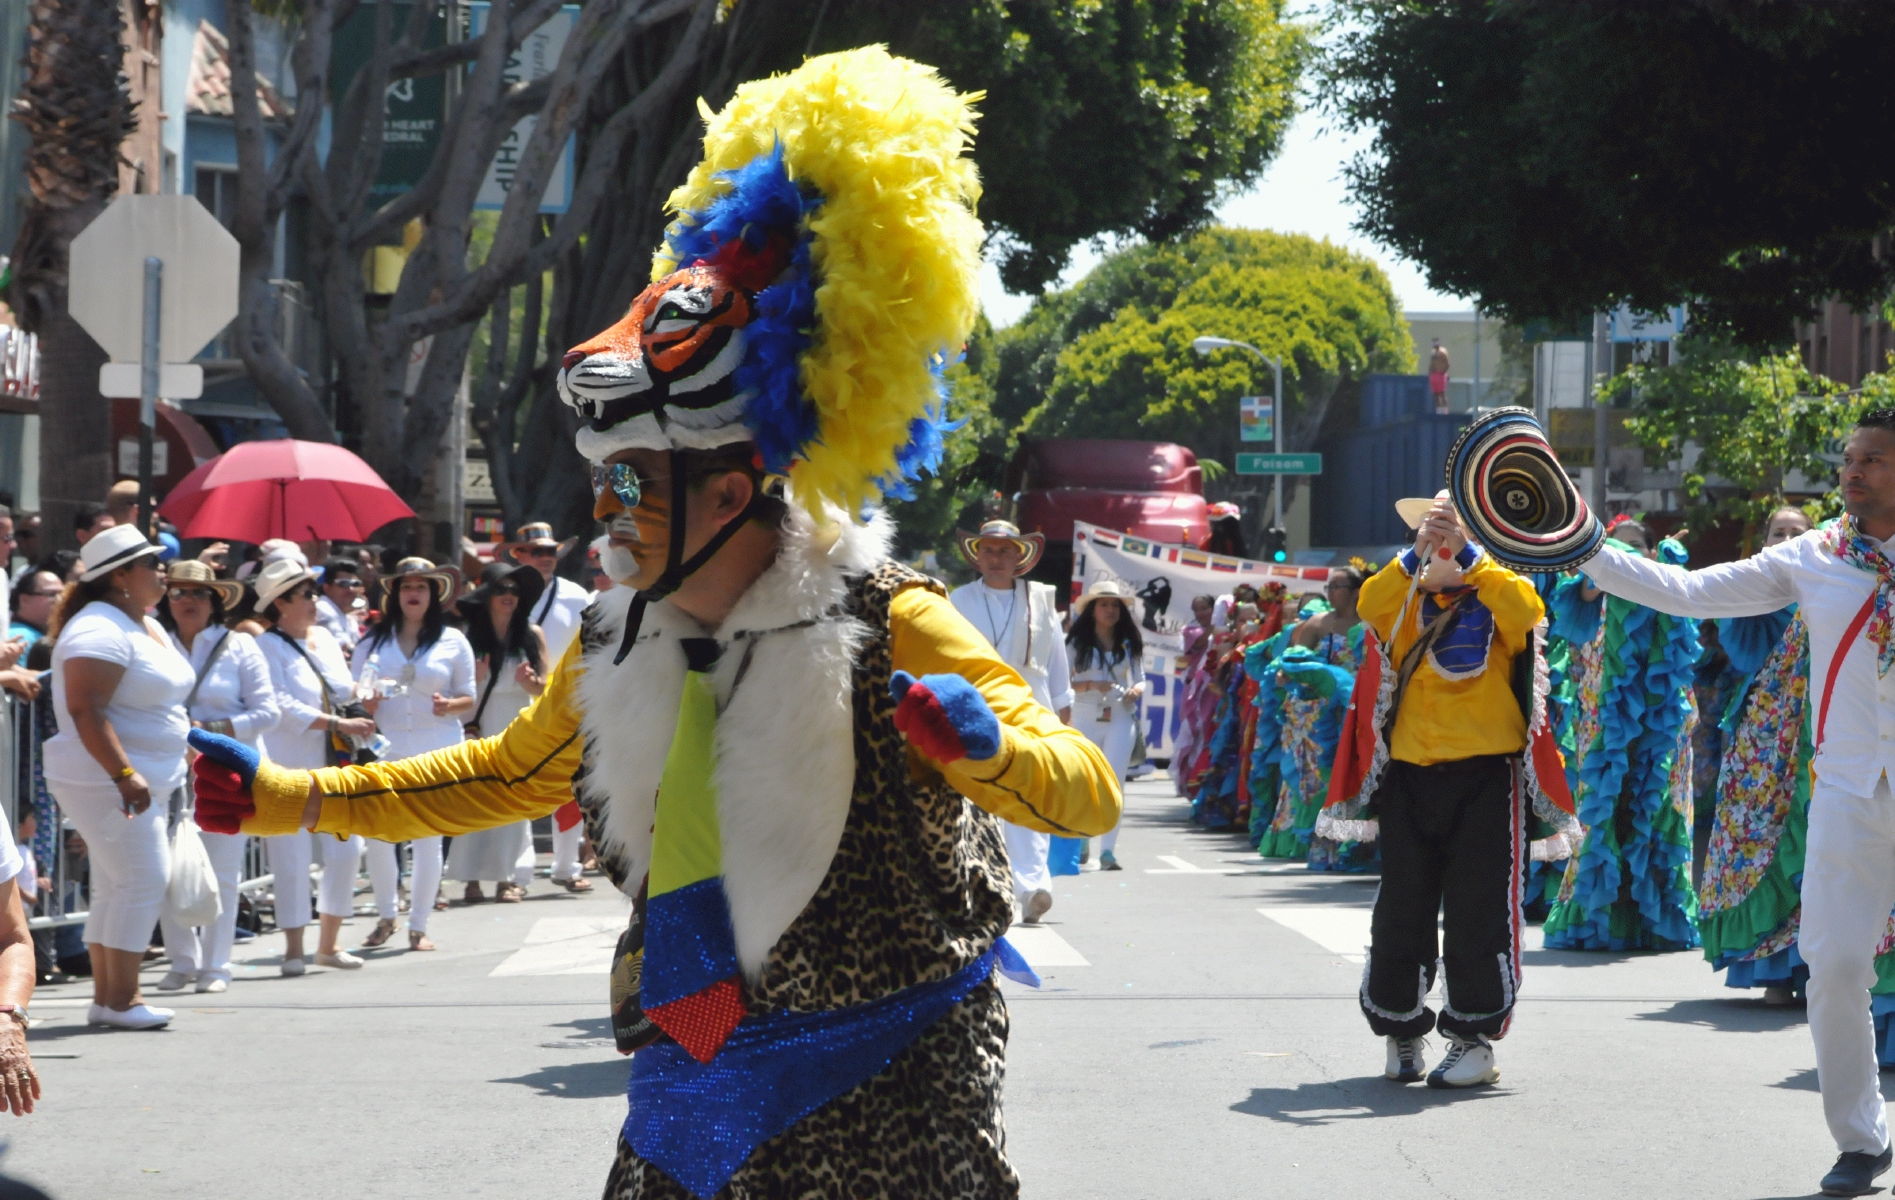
1032 545
1515 499
446 581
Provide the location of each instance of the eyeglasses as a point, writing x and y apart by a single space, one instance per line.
622 478
187 593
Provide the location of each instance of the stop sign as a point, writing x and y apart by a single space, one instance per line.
107 292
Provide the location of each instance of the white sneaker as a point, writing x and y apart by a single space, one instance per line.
1469 1062
1406 1063
175 981
138 1016
342 960
1036 906
293 967
212 983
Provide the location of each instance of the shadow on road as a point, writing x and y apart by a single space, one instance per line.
593 1080
1318 1104
1733 1015
1805 1081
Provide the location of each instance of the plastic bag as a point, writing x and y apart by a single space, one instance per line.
192 896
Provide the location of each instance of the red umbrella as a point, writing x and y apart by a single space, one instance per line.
283 489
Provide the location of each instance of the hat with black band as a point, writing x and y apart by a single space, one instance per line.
112 548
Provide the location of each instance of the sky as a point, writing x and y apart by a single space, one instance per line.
1302 191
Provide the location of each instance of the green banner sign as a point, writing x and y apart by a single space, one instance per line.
1279 464
417 108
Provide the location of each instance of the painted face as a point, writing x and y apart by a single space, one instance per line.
668 366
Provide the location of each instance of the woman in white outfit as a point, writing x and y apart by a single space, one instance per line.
422 672
1107 653
233 695
509 671
311 683
118 756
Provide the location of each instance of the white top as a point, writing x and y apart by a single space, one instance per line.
299 695
408 720
238 687
1023 626
1859 739
27 874
1106 669
507 701
338 623
147 707
556 612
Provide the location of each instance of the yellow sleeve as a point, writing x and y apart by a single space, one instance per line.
1512 598
524 771
1380 600
1047 776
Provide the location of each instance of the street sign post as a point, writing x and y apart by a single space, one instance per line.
1279 464
153 279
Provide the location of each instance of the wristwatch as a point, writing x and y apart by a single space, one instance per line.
17 1012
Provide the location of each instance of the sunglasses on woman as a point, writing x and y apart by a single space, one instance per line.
190 593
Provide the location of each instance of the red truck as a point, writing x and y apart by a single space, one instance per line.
1151 490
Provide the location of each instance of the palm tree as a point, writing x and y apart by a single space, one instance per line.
77 109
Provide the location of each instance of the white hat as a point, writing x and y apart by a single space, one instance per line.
112 548
278 577
281 548
1107 589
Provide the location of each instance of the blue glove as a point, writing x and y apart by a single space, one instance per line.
224 773
945 717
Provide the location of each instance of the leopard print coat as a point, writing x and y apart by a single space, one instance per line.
918 889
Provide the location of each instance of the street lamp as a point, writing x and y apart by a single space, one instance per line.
1205 345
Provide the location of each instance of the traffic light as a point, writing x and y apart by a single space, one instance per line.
1275 544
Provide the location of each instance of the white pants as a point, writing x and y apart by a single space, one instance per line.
566 850
291 856
385 873
1848 890
1026 852
130 862
529 858
1113 735
205 952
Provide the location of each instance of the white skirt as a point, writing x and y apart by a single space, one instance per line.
490 854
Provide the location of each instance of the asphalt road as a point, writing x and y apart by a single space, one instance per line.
1196 1036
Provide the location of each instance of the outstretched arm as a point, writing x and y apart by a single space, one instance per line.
1748 587
1045 775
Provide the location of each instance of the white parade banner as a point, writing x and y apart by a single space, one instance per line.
1164 576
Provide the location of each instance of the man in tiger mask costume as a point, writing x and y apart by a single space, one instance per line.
790 750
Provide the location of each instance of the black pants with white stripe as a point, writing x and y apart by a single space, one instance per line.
1453 847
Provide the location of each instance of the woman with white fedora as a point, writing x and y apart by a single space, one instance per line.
422 672
233 695
312 683
1108 654
118 756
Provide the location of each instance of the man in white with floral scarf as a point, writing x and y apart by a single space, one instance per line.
1843 579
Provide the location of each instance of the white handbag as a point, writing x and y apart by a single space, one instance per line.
192 894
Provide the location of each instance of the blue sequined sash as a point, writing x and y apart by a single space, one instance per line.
698 1122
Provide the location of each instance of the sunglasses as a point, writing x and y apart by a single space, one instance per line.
542 552
506 589
190 593
346 582
622 478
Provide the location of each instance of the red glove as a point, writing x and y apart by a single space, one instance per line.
222 776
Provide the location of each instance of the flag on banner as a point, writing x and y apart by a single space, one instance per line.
1164 578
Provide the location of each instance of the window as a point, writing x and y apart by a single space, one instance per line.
216 189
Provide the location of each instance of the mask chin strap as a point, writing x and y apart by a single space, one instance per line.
677 567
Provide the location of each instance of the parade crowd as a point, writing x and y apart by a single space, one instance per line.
313 654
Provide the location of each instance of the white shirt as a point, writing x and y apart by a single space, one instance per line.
508 700
299 695
1859 736
340 626
408 720
556 612
1023 627
237 688
146 709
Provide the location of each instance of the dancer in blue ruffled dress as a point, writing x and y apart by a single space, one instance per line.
1629 888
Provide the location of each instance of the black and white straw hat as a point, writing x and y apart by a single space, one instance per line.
110 549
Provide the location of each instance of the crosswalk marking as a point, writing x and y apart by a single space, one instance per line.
1341 929
1180 867
565 946
1041 947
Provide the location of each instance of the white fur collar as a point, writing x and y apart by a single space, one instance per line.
785 739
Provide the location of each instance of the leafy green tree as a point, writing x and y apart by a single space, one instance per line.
1757 420
1111 357
1557 159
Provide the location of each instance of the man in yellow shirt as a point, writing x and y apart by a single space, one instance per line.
1450 799
792 753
